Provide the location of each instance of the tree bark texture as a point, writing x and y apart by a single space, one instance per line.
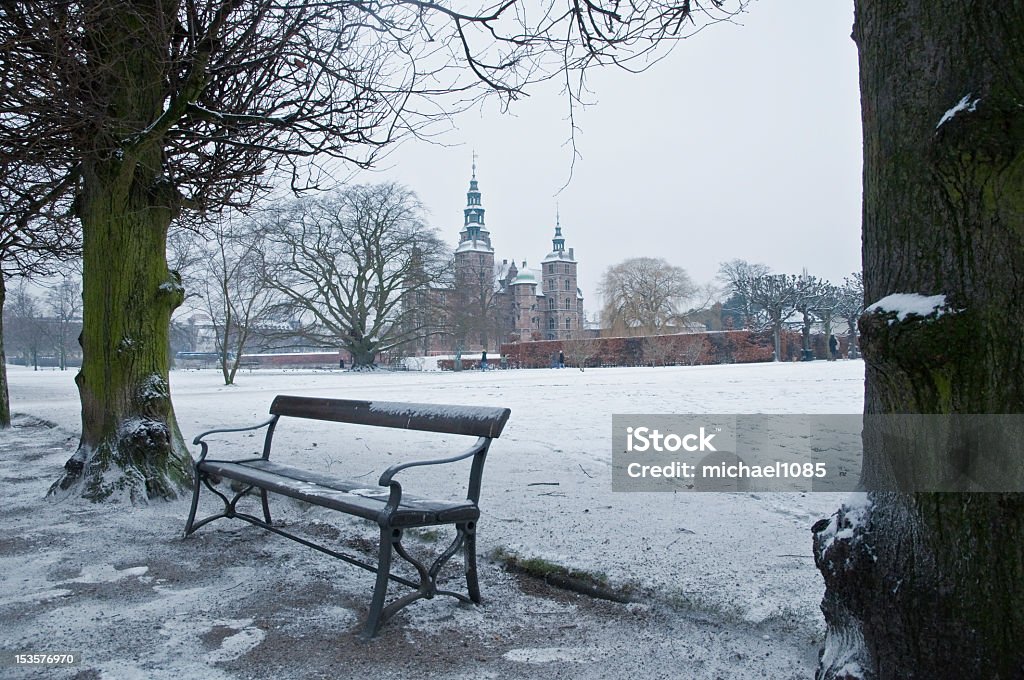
130 442
931 585
5 399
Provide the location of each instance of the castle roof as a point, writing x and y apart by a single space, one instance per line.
474 246
525 276
558 252
558 256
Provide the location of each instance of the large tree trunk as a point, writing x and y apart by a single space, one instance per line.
931 585
364 354
130 441
5 400
362 349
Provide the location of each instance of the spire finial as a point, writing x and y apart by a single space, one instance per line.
558 216
474 163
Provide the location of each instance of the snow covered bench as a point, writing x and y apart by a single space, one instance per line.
385 505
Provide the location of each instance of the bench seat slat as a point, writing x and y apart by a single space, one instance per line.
477 421
346 496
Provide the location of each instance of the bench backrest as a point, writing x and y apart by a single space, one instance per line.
477 421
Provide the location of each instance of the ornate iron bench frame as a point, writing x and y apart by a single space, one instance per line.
393 512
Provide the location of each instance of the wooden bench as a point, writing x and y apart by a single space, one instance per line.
385 505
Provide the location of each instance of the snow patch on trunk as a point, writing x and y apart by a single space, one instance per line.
854 514
904 305
964 104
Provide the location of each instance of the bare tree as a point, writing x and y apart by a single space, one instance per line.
152 112
30 246
65 302
234 293
645 295
827 308
25 328
352 264
851 306
738 276
811 295
775 295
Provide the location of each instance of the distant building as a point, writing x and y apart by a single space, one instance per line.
494 303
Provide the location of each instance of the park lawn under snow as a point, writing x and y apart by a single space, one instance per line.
547 487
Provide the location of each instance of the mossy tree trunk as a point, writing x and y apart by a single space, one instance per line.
5 400
130 442
931 585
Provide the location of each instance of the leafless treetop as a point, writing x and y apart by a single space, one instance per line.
212 100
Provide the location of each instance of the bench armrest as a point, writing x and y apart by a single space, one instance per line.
476 451
481 445
199 437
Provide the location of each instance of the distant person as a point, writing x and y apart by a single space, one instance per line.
833 348
483 360
561 359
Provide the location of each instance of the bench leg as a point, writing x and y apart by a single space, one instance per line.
195 502
468 531
266 506
191 525
388 537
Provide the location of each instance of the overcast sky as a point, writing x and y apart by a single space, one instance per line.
744 143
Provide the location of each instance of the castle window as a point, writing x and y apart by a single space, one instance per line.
552 324
568 303
567 284
568 324
551 303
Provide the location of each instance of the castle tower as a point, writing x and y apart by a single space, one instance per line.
525 318
474 272
474 237
562 313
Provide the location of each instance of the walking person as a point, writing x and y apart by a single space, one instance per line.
833 348
483 360
561 359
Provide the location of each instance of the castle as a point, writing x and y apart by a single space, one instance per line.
494 303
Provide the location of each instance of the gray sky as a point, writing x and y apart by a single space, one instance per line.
743 143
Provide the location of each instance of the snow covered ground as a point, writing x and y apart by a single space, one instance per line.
726 580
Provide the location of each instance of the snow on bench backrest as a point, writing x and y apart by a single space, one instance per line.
477 421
